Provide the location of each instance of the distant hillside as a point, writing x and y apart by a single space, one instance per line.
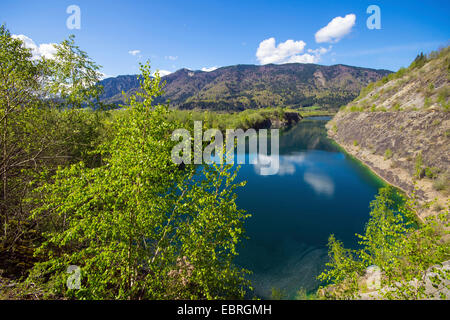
400 127
249 86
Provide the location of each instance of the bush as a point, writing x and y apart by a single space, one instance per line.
398 245
419 62
431 172
278 294
387 154
302 294
401 72
442 182
419 172
396 106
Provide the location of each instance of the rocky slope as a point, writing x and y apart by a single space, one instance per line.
400 128
249 86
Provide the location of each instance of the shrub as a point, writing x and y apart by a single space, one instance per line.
302 294
387 154
442 182
278 294
418 166
400 73
400 247
334 128
419 62
431 172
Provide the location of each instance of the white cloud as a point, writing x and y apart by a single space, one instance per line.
337 29
289 51
209 69
321 184
320 51
46 50
267 52
173 58
287 165
304 58
104 76
163 73
134 52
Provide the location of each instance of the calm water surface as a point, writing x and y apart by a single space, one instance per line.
318 191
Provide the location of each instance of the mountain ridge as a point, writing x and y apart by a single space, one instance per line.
247 86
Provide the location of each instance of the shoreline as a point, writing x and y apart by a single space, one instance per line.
394 176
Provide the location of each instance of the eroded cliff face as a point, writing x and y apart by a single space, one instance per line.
403 134
392 143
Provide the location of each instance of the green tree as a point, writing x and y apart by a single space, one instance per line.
73 77
402 248
139 226
35 138
19 88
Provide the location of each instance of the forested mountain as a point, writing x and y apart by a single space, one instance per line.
242 87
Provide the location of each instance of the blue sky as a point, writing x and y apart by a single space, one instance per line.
204 34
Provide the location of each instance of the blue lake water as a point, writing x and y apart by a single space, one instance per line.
318 191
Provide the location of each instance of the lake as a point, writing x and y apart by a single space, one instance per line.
318 191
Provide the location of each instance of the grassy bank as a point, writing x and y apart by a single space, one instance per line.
250 118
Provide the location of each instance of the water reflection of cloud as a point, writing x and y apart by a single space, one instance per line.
321 184
286 164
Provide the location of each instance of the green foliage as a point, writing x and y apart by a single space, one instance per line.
443 94
442 182
394 242
355 143
25 141
302 294
431 172
366 90
35 139
342 269
356 108
419 171
419 62
400 73
442 97
260 118
278 294
138 225
387 154
98 189
73 77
